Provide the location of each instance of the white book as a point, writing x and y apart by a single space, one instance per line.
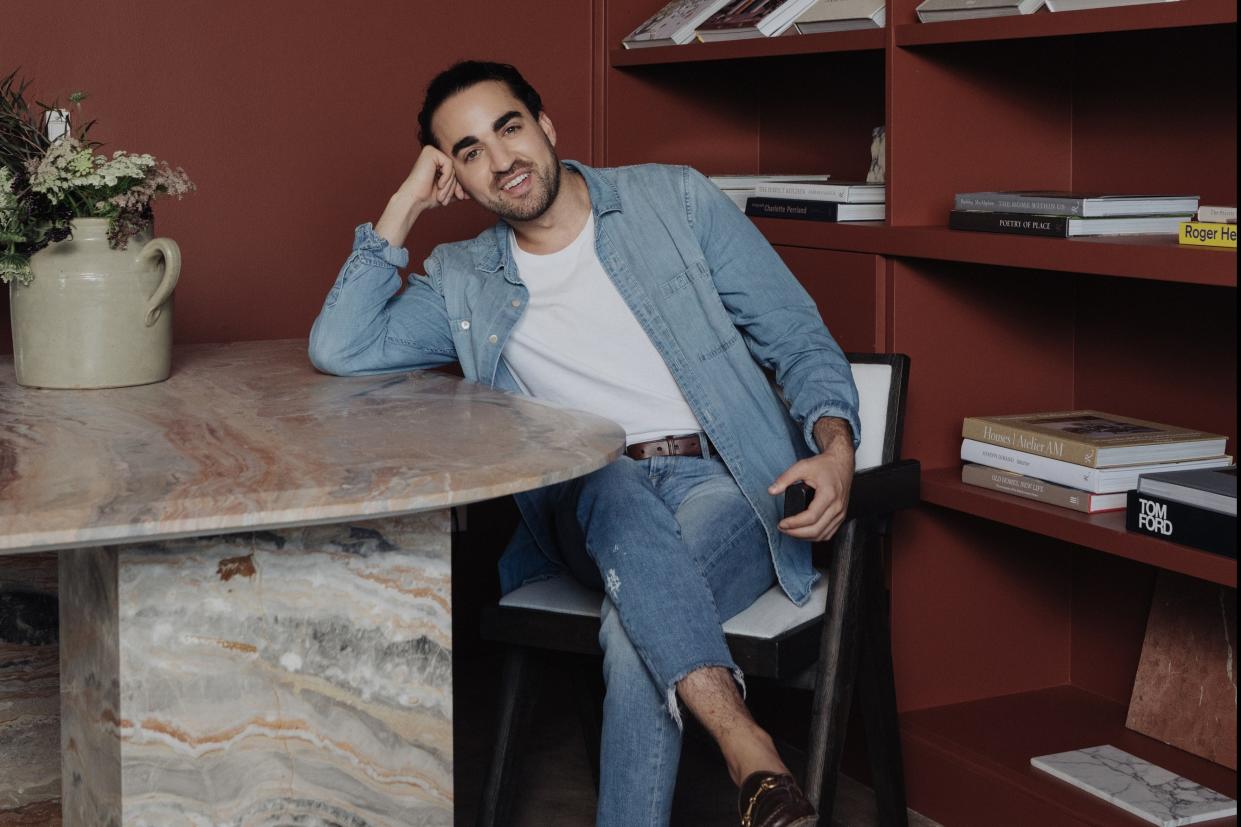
729 182
752 18
847 192
1079 5
1150 792
930 11
674 24
842 15
1094 480
1217 215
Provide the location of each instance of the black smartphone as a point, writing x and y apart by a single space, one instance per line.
796 498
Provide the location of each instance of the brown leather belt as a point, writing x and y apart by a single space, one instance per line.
690 445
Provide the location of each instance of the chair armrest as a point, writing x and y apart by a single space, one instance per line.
879 491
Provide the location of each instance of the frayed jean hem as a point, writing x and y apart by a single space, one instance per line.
674 708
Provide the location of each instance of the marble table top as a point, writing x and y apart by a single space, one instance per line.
250 436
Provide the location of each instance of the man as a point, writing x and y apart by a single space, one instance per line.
640 293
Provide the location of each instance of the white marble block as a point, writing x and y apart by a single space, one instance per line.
1149 792
302 676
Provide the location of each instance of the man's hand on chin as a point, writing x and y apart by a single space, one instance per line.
830 474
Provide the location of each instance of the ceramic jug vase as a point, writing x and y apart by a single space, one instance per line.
94 317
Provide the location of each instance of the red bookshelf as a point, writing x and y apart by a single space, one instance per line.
1182 13
1017 627
1158 258
855 41
1104 531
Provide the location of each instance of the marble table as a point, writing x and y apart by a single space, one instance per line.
254 576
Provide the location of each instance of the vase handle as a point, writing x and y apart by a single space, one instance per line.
168 250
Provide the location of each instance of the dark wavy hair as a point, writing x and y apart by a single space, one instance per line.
463 75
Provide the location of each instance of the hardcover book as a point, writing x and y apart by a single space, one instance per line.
744 181
1149 792
1214 488
674 24
1093 438
1217 215
842 15
930 11
1094 480
1078 5
847 192
1187 525
1040 490
1063 226
1085 205
763 207
752 18
1203 234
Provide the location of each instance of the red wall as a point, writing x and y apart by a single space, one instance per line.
295 120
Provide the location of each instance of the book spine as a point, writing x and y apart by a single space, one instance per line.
1018 204
1030 442
1203 234
819 192
1217 215
1031 465
791 208
1056 226
1181 523
1027 487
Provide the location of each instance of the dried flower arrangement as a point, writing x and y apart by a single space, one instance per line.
47 182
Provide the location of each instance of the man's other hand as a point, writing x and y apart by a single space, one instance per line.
431 183
830 474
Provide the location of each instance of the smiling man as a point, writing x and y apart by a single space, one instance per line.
641 294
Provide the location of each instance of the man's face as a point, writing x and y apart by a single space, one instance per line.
504 158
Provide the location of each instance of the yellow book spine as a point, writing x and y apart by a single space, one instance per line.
1203 234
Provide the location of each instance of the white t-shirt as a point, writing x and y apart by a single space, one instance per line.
579 345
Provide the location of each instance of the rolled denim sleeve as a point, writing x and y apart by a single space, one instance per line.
366 327
780 322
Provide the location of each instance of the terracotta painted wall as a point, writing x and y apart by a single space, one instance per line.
295 120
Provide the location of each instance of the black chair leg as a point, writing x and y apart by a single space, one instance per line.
518 691
589 693
836 671
877 687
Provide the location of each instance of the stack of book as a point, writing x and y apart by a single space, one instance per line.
683 21
1070 214
818 201
740 188
1084 460
1212 227
1193 508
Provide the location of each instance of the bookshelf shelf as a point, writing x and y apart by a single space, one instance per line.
993 597
1158 258
794 44
1180 14
1104 531
986 746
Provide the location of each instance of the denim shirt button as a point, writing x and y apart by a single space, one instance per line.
465 325
516 302
493 338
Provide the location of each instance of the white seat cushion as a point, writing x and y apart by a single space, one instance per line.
769 616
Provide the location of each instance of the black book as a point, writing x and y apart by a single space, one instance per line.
1180 523
1062 226
764 207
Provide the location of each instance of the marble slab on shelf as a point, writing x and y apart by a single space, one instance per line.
1139 787
249 436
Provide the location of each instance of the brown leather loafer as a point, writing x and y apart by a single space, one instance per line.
771 800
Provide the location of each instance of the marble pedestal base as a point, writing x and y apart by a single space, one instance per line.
302 676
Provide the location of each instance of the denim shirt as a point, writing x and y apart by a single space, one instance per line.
715 299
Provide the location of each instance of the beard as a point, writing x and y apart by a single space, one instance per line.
545 180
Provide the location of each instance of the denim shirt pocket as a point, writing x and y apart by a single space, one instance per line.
463 338
691 297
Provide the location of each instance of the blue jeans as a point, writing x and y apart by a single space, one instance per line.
678 550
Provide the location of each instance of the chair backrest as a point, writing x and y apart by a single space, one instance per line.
881 379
